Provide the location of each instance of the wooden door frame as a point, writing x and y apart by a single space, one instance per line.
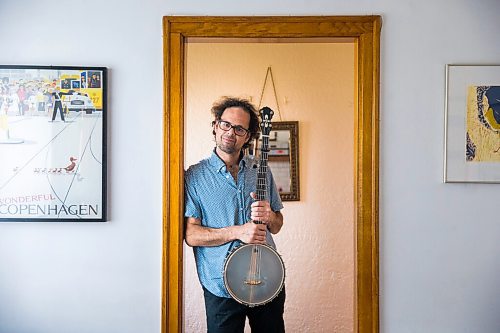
365 30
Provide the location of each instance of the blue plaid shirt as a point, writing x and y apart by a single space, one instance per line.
213 196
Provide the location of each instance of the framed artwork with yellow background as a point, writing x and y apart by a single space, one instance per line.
472 139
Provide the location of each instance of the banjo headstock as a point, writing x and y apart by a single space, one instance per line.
266 114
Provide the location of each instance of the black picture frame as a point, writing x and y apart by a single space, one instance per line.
53 133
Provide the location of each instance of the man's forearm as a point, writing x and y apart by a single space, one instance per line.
276 222
197 235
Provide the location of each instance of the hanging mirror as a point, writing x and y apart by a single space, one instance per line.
284 158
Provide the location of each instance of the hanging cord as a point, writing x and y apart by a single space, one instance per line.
269 71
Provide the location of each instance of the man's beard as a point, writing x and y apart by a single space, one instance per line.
228 149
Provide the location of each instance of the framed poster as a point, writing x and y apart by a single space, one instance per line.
53 143
472 125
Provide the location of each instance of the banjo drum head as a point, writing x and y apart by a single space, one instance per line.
239 274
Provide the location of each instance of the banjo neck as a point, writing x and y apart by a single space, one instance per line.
266 115
261 192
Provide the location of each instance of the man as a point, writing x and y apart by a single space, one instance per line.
220 208
58 103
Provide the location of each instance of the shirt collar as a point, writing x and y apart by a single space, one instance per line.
215 161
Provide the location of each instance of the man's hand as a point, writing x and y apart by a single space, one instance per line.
261 210
253 233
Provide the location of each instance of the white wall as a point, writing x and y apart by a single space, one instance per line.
439 249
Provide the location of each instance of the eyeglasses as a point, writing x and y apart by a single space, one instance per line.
226 126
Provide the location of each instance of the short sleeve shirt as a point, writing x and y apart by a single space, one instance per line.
213 196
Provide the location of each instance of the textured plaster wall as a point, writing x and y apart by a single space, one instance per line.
314 85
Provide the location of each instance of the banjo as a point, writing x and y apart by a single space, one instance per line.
254 274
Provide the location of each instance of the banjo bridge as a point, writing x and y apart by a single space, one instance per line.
253 282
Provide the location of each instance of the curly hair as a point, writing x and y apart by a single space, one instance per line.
225 102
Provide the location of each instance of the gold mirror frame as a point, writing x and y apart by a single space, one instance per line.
293 129
366 33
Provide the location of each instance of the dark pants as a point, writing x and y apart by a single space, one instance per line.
225 315
58 106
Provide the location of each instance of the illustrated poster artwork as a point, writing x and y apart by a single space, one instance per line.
483 124
52 143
